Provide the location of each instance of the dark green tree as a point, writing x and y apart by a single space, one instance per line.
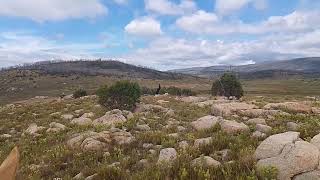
228 85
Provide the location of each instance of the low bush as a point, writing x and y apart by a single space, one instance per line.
122 95
228 85
175 91
79 93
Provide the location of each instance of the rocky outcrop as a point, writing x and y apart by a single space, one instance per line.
202 142
82 121
289 154
255 121
93 141
33 129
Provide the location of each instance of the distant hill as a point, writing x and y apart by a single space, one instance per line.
308 67
63 77
99 67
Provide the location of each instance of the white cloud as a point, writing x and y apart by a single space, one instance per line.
166 7
297 21
52 10
184 53
144 27
18 48
225 7
197 22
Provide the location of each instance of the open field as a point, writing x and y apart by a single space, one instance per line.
48 154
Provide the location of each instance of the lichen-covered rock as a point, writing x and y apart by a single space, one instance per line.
295 158
233 127
82 121
93 141
316 141
167 155
258 135
205 161
111 118
273 145
202 142
292 126
263 128
56 127
205 122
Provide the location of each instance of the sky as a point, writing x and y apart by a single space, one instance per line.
160 34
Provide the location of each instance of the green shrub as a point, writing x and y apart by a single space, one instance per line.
122 95
79 93
148 91
228 85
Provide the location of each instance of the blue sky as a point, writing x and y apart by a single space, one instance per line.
162 34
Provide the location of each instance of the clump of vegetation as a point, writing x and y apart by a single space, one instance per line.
228 85
79 93
122 95
175 91
148 91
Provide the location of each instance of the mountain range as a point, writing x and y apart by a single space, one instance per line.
302 66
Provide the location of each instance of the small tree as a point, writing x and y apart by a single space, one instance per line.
79 93
122 95
228 85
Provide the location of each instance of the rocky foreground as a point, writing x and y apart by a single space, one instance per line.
166 137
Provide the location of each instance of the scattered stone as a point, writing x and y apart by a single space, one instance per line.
167 155
33 129
193 99
315 110
205 161
181 128
143 127
88 115
170 113
67 116
111 118
79 176
82 121
56 114
56 127
202 142
227 109
5 136
93 141
259 135
79 111
296 107
147 145
224 154
255 113
173 135
150 107
162 101
263 128
255 121
183 145
233 127
92 177
292 126
205 122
